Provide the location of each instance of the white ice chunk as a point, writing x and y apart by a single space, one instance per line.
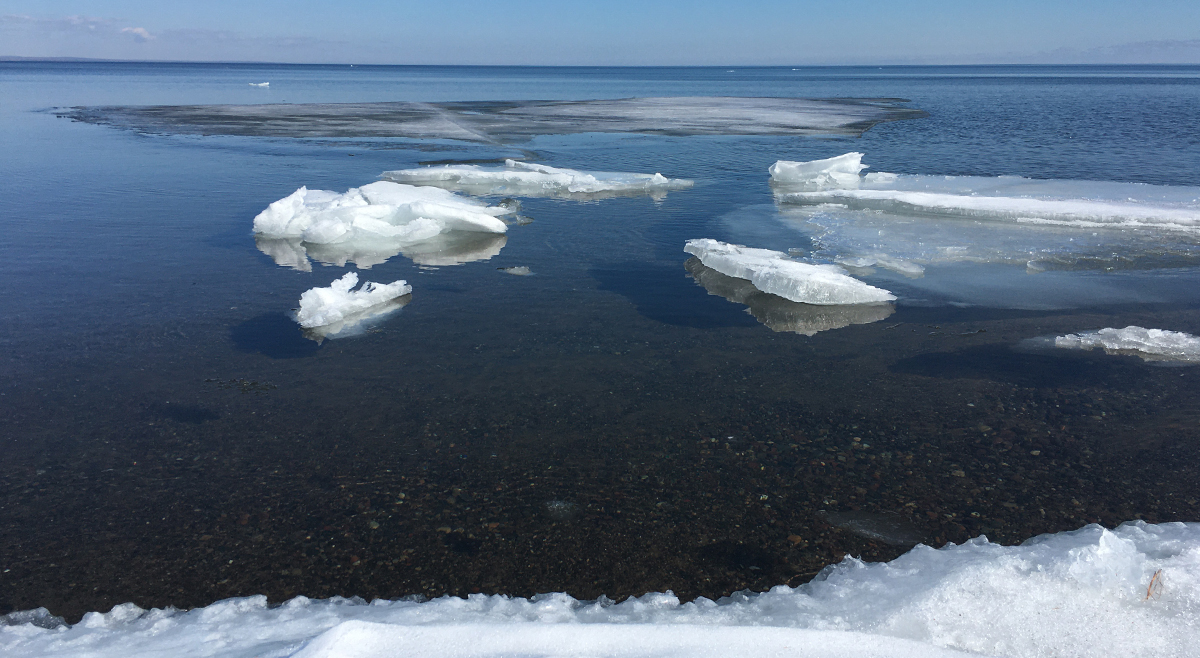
1149 344
1082 593
260 84
339 303
377 220
535 180
837 172
773 272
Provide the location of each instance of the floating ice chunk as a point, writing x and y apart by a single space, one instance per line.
780 314
260 84
369 224
837 172
527 179
1149 344
773 272
891 529
339 308
519 270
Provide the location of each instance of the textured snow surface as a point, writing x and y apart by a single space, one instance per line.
367 224
781 314
535 180
1149 344
1080 593
906 222
339 307
775 273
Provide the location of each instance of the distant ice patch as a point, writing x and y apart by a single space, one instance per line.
1149 344
260 84
518 270
535 180
337 310
906 223
369 224
780 314
1131 592
775 273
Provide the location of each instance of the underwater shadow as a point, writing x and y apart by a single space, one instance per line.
666 294
272 334
1001 363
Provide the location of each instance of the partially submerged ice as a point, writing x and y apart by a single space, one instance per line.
1149 344
780 314
370 224
775 273
1133 591
907 222
536 180
338 310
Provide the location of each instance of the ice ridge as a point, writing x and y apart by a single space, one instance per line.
536 180
775 273
839 171
1088 592
1149 344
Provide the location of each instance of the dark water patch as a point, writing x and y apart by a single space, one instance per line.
665 293
737 556
1000 363
273 334
182 413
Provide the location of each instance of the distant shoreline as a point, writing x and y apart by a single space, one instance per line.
96 60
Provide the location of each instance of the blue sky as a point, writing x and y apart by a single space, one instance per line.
606 33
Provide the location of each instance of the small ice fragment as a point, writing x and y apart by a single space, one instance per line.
837 172
535 180
260 84
888 528
1149 344
773 272
520 270
339 303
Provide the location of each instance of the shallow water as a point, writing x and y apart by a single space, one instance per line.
603 426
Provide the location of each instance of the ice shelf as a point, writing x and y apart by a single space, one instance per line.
534 180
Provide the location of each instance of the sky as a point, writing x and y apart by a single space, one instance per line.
616 32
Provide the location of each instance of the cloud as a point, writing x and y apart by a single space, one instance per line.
103 27
139 33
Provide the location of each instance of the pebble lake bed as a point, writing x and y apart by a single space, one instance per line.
625 433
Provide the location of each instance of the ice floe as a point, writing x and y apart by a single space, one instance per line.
369 224
536 180
518 270
781 314
775 273
908 222
508 121
1149 344
338 310
1087 592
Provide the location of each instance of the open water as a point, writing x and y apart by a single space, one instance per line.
168 435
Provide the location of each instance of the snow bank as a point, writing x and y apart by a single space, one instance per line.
1149 344
368 223
907 222
773 272
840 171
526 179
339 308
1081 593
780 314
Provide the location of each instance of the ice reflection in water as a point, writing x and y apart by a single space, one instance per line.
781 314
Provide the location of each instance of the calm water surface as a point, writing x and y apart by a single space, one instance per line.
605 426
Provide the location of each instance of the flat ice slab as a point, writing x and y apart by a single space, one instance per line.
1149 344
535 180
775 273
512 121
368 224
835 172
1087 592
780 314
339 308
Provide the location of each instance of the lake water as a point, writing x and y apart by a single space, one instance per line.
169 436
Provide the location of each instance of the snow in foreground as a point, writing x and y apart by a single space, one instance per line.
535 180
1132 591
1149 344
905 222
368 224
775 273
338 309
